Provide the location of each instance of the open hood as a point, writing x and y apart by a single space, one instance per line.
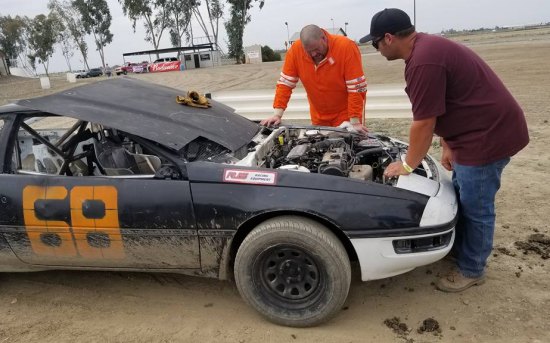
150 111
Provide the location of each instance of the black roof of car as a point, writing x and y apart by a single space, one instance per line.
150 111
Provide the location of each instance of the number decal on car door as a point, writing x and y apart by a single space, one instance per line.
106 221
91 230
39 230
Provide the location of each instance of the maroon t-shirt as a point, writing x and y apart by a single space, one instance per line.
476 115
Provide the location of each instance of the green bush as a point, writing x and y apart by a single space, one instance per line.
268 55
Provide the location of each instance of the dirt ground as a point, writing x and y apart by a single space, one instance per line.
513 306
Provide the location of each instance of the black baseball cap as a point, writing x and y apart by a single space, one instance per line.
390 20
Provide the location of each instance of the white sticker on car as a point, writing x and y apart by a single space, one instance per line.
249 176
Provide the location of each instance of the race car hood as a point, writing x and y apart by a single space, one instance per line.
150 111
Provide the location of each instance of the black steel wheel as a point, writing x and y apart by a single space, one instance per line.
294 271
289 272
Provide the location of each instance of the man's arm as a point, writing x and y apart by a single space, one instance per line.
426 89
286 83
356 85
421 134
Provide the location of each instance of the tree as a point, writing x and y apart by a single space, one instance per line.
67 46
195 8
215 13
239 17
183 11
42 36
12 39
179 21
268 55
72 20
96 20
154 12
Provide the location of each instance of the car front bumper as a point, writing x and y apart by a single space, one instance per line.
382 257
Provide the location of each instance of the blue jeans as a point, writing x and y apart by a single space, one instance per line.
476 188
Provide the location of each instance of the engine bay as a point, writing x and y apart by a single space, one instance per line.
331 152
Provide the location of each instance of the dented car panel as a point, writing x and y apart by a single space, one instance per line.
155 115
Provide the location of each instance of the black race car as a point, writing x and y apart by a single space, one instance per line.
89 181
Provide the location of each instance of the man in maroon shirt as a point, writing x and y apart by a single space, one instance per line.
457 96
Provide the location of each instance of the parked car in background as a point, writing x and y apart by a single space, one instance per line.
166 59
131 67
80 73
94 72
125 68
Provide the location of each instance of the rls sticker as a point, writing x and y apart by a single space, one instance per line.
255 177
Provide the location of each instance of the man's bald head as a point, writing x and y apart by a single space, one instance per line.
314 42
311 33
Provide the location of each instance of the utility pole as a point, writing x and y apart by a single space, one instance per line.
346 28
287 33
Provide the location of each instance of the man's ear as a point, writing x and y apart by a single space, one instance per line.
390 38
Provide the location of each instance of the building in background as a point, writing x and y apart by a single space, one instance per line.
191 57
200 59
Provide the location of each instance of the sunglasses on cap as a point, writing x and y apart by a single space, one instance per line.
375 42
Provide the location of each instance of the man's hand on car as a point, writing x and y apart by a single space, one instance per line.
395 169
354 125
275 120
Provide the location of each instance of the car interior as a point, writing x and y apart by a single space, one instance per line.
80 148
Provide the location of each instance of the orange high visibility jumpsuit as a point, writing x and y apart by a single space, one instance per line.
336 87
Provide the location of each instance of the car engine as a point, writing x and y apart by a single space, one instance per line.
329 151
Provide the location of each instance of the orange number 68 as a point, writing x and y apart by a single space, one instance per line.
74 240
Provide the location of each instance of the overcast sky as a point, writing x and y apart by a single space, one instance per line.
268 25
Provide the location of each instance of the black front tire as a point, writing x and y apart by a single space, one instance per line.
294 271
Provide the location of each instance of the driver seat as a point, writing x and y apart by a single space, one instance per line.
115 159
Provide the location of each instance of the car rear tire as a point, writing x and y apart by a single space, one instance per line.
294 271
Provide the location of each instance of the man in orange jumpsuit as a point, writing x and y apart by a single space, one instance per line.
331 70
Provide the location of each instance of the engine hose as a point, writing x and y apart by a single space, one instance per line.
369 152
327 144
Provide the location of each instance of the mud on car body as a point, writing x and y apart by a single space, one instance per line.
89 182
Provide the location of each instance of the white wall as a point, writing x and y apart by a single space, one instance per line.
253 54
206 59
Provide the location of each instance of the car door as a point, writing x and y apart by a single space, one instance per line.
133 221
